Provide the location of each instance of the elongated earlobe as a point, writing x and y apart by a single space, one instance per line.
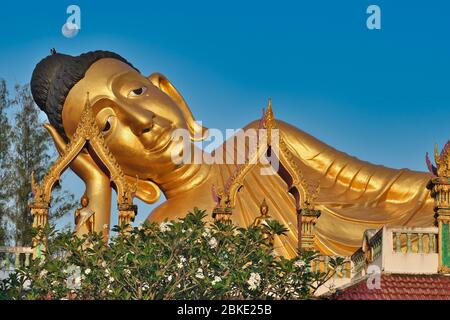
147 191
197 132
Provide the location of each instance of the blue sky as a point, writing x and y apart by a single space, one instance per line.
380 95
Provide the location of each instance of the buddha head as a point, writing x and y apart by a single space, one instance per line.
84 201
137 114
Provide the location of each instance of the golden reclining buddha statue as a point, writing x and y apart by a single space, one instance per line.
138 114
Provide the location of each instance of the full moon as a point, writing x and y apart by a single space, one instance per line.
69 31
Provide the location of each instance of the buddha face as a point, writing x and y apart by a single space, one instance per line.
136 114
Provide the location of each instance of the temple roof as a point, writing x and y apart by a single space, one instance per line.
398 287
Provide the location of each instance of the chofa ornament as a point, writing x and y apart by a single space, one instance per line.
442 160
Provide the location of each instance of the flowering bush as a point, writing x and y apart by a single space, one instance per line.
184 259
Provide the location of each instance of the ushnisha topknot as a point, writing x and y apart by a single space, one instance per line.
56 74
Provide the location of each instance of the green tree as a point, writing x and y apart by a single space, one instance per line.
32 152
188 258
5 143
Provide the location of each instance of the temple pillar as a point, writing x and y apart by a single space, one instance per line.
222 214
440 191
39 212
127 213
307 219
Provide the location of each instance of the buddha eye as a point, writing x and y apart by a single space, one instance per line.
137 92
107 125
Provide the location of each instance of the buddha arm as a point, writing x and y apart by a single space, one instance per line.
98 186
98 190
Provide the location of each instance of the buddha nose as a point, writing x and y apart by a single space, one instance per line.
141 121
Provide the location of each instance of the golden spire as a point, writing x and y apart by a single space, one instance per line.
269 121
269 118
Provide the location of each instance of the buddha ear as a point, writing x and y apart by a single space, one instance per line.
197 132
147 191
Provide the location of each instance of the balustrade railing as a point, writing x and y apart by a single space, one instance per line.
15 257
414 241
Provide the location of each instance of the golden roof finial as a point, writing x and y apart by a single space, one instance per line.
269 118
442 161
269 121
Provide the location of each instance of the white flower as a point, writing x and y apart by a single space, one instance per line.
206 233
43 273
107 272
145 287
104 264
182 259
273 295
199 273
27 284
254 281
212 243
179 285
299 264
216 279
179 265
111 279
165 226
169 278
73 280
54 283
183 231
87 271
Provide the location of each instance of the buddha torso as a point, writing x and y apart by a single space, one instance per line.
354 195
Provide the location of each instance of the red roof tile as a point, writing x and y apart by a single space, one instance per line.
399 287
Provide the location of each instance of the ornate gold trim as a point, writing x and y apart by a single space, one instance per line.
439 186
307 193
87 132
